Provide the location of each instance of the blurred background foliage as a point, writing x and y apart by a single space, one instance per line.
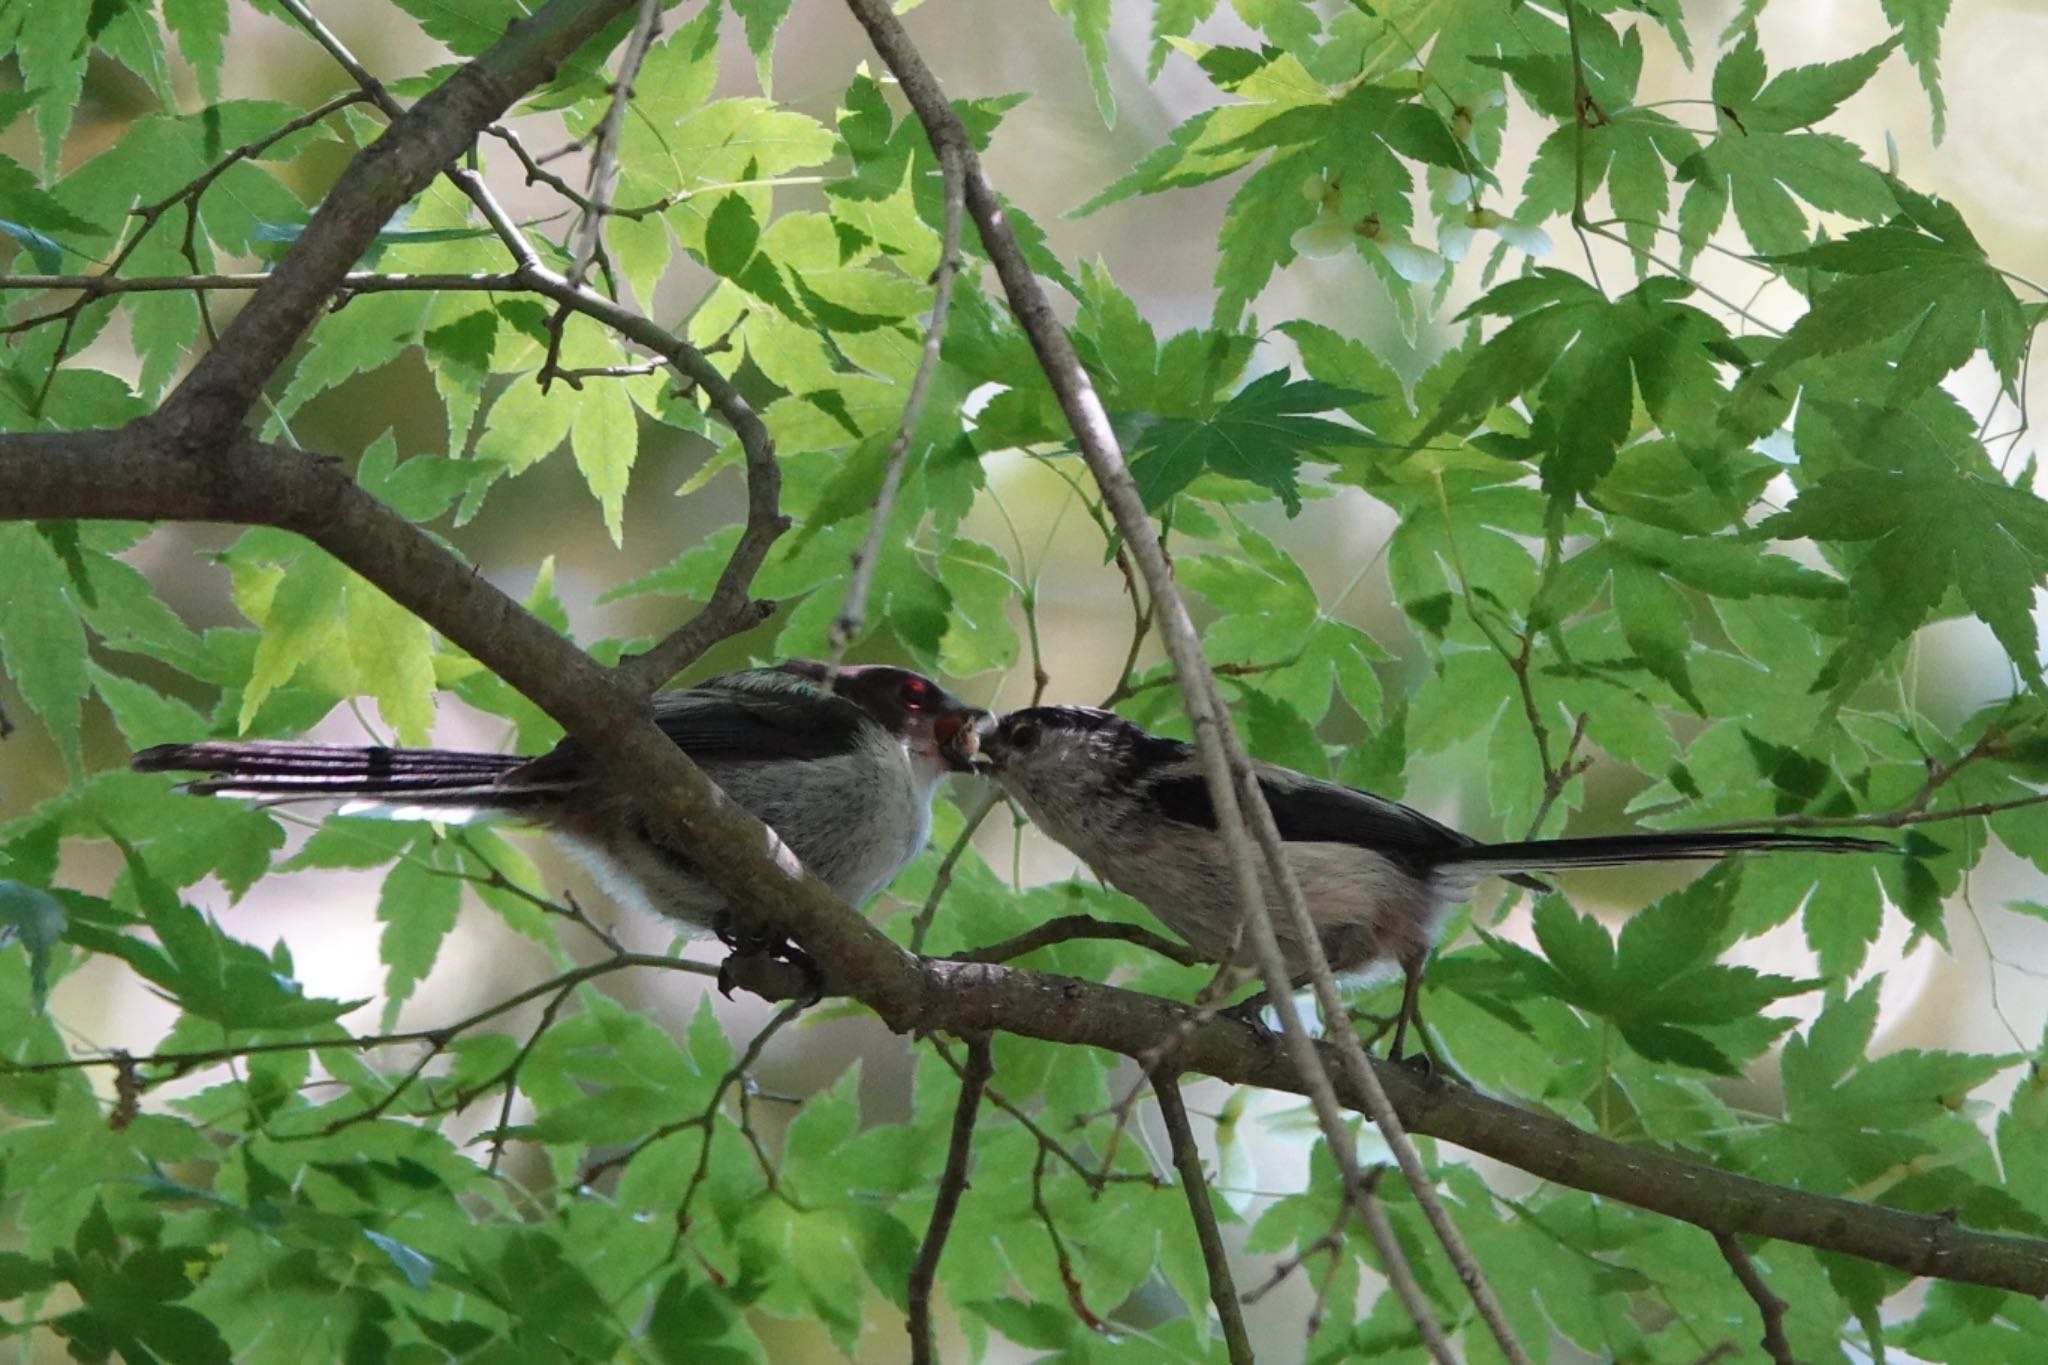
1409 540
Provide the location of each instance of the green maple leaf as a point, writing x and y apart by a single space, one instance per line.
1173 19
1920 24
1261 435
42 645
1579 358
1644 568
1090 22
879 147
1362 142
1926 529
1184 376
1611 63
1921 278
1631 155
1364 145
1658 981
1762 163
1216 142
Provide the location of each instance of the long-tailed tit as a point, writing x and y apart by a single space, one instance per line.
844 776
1378 877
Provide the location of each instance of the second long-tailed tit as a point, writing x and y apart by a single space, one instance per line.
1379 878
844 776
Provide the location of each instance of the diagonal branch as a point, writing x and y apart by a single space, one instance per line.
1242 819
588 240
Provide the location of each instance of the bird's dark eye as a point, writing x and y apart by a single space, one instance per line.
916 694
1023 734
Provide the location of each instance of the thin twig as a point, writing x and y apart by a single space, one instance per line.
508 1075
1399 1275
1586 113
1047 1143
1130 687
1068 928
952 1184
338 52
1768 1305
355 282
746 1091
183 1063
604 158
147 216
1071 1281
537 174
853 608
1330 1243
574 376
586 244
735 1073
1141 628
943 879
1195 1184
1556 780
730 608
567 908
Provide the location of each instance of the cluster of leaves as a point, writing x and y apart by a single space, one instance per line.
1585 564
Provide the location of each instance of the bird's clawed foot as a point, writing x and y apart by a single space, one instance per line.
764 961
1251 1012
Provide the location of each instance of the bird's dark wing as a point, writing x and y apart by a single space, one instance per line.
1311 812
744 717
756 716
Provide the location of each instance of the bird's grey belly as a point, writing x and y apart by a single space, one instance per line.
852 823
1368 914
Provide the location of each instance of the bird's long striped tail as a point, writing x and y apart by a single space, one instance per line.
428 783
1618 850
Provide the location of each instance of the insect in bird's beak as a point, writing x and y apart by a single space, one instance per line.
975 745
959 737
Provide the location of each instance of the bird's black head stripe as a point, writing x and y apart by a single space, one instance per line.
1138 754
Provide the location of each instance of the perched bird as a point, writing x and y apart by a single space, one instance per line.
844 776
1378 877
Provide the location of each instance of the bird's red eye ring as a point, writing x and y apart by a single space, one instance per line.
916 694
